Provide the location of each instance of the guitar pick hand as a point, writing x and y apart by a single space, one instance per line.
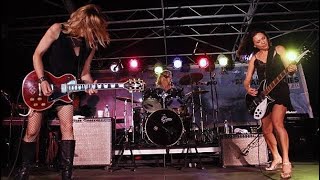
252 91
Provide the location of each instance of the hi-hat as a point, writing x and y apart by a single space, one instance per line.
126 99
197 92
191 78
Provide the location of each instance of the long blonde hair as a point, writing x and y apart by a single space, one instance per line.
164 73
88 22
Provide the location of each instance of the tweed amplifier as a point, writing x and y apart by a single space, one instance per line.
243 150
93 141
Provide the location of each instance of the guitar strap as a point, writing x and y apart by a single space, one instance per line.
269 62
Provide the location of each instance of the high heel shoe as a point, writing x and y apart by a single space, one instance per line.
286 174
274 167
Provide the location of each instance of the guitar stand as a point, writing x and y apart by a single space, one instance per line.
125 145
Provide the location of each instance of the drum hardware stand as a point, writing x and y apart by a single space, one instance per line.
203 137
201 111
214 111
188 147
127 144
194 126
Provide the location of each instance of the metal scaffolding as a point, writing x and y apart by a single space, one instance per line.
159 33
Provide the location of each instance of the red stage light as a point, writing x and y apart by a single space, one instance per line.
203 62
133 63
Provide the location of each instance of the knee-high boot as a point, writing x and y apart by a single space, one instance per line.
67 154
28 152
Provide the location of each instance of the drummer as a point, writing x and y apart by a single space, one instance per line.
175 97
164 80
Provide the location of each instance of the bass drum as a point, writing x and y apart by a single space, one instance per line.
164 128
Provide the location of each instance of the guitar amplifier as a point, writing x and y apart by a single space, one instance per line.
93 141
243 150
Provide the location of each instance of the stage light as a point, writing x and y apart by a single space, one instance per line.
223 60
158 69
203 62
291 55
133 63
115 67
177 63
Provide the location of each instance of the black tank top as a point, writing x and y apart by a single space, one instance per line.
270 71
61 57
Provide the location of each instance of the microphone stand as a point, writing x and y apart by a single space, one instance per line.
7 98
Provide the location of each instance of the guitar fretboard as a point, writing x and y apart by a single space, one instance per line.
276 81
99 86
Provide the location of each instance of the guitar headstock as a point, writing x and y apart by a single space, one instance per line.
302 55
134 85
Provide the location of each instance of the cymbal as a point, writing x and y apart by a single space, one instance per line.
191 78
197 92
126 99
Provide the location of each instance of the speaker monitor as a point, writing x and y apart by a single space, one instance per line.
93 141
243 150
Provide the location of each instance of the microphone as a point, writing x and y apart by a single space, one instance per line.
213 76
4 93
6 96
115 67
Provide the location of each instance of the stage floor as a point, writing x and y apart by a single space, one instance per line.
301 171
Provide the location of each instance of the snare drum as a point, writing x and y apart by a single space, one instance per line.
164 127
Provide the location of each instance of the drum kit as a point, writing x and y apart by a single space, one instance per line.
164 117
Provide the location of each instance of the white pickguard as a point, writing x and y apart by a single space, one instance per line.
261 109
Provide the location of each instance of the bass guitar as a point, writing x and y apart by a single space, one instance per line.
257 105
62 87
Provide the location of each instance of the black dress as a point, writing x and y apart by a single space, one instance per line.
269 71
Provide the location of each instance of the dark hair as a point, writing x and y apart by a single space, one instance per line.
246 46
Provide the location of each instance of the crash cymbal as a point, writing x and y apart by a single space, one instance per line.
197 92
126 99
191 78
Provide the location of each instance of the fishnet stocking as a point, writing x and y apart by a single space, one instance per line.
33 127
65 115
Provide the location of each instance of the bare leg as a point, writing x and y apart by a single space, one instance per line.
267 129
278 115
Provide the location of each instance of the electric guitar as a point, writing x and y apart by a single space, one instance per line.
62 87
257 105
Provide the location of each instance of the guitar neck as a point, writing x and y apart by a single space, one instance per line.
98 86
276 81
283 74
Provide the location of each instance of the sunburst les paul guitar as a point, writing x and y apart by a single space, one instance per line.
62 87
257 105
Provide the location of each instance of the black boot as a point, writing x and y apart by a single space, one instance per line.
28 152
67 153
